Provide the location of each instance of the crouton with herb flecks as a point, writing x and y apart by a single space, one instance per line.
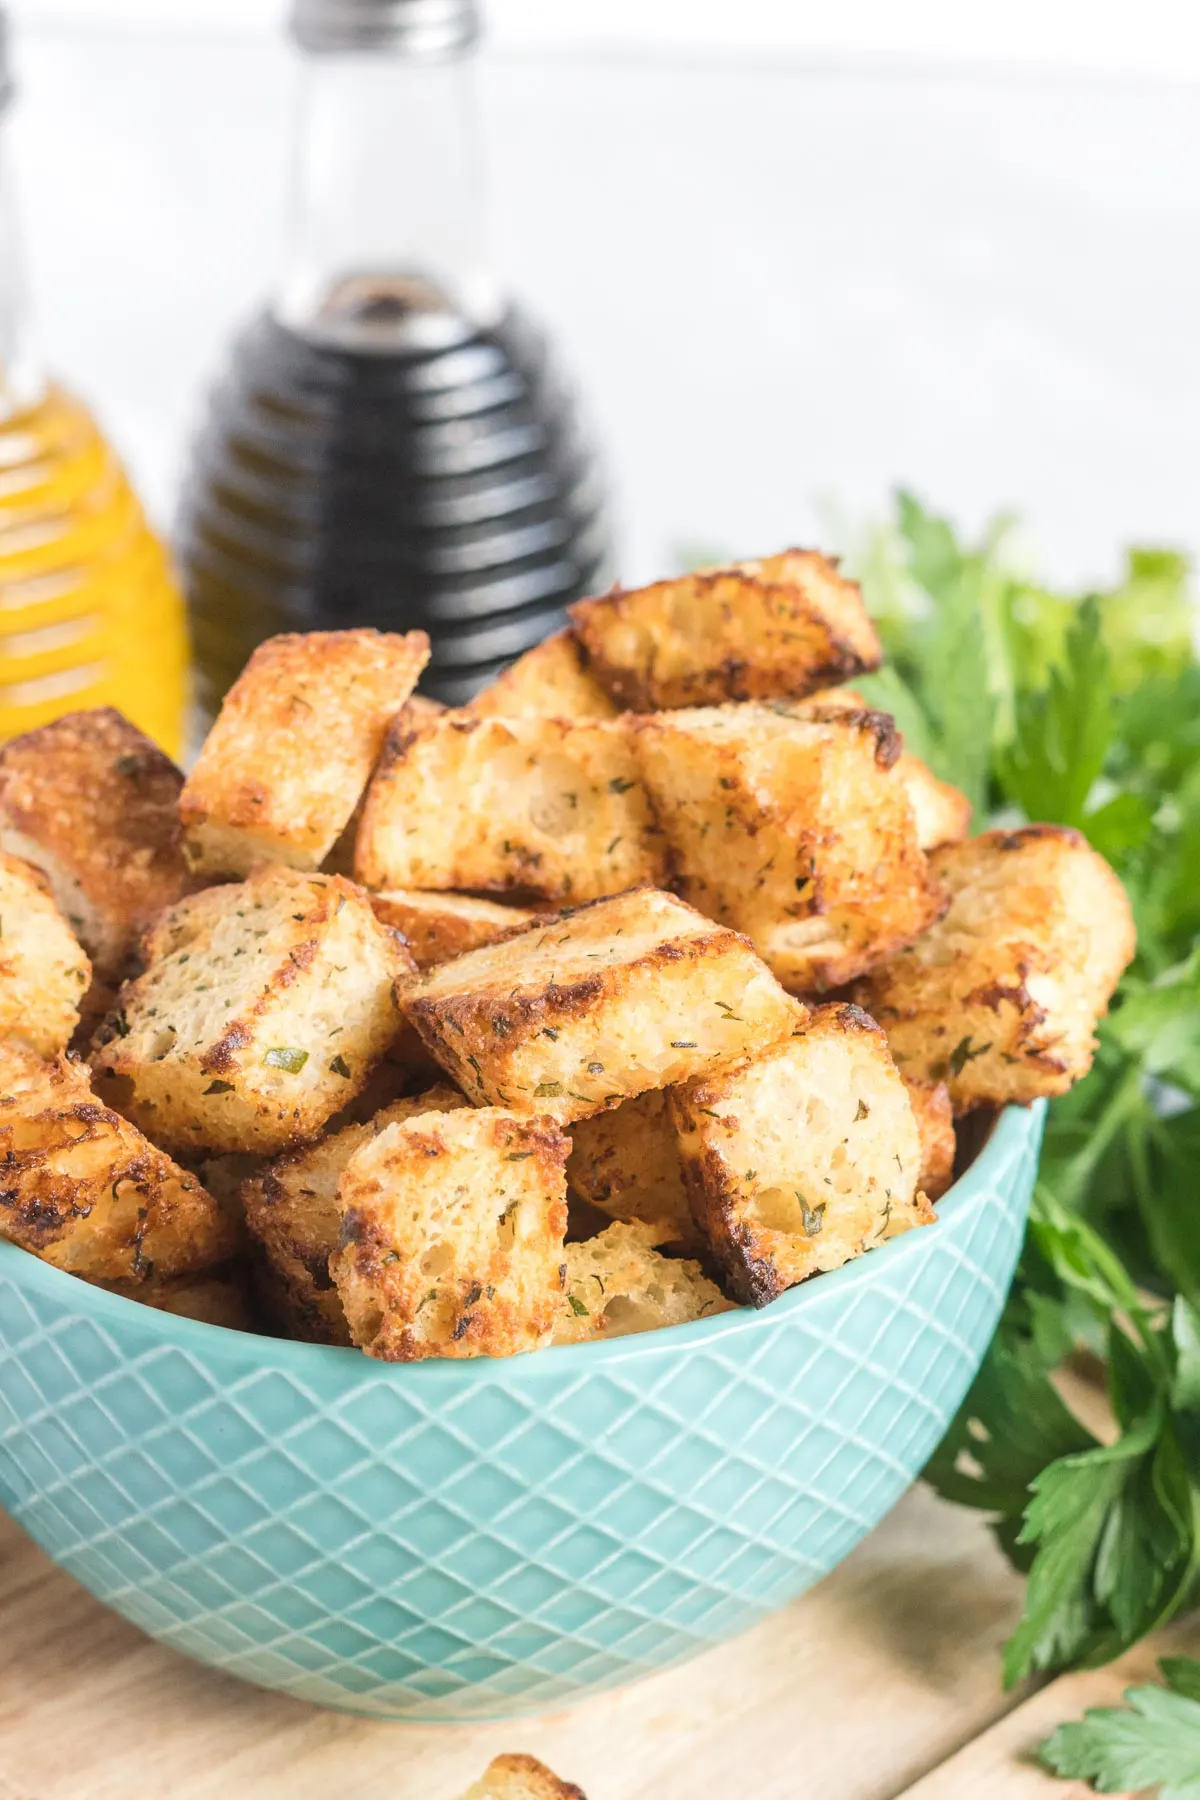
611 1000
437 927
626 1163
292 750
84 1190
44 973
788 624
551 681
794 830
523 806
218 1297
803 1158
291 1209
1000 999
521 1778
930 1101
95 806
452 1229
618 1283
262 1010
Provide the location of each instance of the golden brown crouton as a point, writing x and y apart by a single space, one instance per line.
219 1297
83 1189
293 747
786 625
803 1158
263 1008
521 1778
438 926
551 681
452 1236
942 812
44 973
95 806
618 1283
794 830
536 806
291 1208
1000 999
930 1101
626 1163
608 1001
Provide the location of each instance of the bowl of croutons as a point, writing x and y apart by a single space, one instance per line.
494 1201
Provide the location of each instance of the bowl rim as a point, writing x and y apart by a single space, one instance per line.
1014 1130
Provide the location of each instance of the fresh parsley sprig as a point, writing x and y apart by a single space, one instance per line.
1154 1740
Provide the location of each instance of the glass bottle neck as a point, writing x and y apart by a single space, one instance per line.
387 245
21 383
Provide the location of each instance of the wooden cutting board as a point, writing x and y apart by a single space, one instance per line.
882 1682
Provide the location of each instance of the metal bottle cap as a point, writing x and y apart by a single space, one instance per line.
417 28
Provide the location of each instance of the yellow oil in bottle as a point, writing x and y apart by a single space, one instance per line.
89 612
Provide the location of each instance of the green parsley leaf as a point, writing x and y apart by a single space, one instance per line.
1153 1740
281 1056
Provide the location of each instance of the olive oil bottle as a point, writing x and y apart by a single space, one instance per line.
391 444
89 612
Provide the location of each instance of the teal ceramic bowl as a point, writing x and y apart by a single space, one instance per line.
453 1541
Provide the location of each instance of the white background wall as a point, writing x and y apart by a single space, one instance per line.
790 250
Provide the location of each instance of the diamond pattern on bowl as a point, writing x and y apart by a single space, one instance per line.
462 1541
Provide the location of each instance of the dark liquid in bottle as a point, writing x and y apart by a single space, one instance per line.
447 489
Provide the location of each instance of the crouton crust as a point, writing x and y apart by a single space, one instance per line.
803 1158
84 1190
437 926
452 1229
95 806
626 1163
1000 999
942 812
291 1209
521 1778
787 624
292 750
618 1283
794 830
551 681
262 1010
218 1297
930 1101
532 806
611 1000
44 973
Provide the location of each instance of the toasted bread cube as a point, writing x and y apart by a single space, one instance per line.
942 812
292 750
291 1209
930 1101
262 1010
626 1163
521 1778
794 830
452 1230
551 681
608 1001
437 926
788 624
1000 999
535 806
95 806
618 1283
44 973
803 1158
84 1190
219 1297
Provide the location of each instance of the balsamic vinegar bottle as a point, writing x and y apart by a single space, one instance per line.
390 445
